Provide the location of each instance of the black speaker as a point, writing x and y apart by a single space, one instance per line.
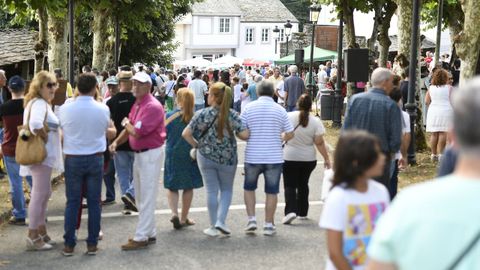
299 56
356 65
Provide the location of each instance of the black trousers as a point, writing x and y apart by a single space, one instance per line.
385 178
295 180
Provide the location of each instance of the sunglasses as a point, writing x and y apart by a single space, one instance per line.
52 85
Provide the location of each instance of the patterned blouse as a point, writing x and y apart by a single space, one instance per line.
220 151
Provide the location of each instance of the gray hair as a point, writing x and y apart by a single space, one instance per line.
380 75
265 88
293 69
258 78
2 73
466 109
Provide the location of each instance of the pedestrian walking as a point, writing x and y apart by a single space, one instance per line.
85 123
38 114
428 217
11 113
440 112
237 94
181 172
266 121
355 202
120 106
252 88
378 114
213 131
294 87
199 88
301 159
145 131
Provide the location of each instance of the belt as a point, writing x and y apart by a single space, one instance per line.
142 150
96 154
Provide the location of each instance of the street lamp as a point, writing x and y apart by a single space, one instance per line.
276 35
314 15
288 30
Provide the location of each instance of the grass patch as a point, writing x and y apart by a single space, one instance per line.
424 170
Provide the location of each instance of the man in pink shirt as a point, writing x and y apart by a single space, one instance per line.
145 131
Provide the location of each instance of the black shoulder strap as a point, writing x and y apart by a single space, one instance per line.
470 246
209 126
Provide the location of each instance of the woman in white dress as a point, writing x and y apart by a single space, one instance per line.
440 112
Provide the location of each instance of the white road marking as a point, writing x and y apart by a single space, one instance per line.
168 212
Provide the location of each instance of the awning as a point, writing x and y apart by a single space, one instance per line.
319 55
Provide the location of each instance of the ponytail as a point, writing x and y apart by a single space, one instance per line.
223 98
304 105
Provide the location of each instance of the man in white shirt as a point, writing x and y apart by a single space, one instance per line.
237 93
199 88
85 124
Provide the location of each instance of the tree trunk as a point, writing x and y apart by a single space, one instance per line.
57 42
42 44
349 25
383 37
468 44
103 39
405 13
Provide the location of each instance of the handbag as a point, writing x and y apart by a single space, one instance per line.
30 148
193 151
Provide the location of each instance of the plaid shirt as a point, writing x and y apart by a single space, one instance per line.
376 113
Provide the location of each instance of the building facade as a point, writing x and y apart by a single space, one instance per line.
239 28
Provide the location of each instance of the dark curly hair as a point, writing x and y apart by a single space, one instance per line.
356 152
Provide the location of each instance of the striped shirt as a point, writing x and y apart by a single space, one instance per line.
266 121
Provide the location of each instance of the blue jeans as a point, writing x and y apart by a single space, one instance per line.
237 106
124 167
291 108
109 179
199 107
217 178
271 173
80 170
393 186
16 187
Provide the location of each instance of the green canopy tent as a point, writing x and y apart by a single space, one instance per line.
319 55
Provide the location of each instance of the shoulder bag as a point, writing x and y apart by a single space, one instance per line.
285 143
30 148
193 151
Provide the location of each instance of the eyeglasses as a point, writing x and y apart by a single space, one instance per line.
52 85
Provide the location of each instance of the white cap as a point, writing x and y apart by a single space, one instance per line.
142 77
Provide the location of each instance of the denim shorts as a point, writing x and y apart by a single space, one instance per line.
271 173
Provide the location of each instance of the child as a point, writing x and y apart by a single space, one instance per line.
243 97
355 202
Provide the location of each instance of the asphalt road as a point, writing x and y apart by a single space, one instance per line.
297 246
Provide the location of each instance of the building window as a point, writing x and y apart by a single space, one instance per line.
249 35
282 35
265 35
224 25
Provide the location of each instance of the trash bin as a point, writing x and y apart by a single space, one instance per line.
326 105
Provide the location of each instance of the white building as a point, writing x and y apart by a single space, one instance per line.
228 27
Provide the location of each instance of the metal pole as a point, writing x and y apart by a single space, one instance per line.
338 98
276 40
117 42
439 30
411 106
310 83
71 59
287 45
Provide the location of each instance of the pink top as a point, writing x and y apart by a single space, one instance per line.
148 118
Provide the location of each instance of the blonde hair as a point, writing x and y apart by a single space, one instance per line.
222 94
186 100
39 81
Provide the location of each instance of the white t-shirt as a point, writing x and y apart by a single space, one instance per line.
302 146
199 88
170 88
355 214
281 92
405 130
237 92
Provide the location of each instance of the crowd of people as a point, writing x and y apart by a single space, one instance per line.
127 125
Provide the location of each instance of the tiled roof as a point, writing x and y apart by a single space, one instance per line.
265 11
426 43
16 45
216 7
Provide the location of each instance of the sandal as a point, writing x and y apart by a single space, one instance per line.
176 222
189 222
37 244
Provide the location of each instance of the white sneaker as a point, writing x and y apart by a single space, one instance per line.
269 231
212 232
223 229
289 218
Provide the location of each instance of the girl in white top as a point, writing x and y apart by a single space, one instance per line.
300 158
355 202
40 94
440 112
